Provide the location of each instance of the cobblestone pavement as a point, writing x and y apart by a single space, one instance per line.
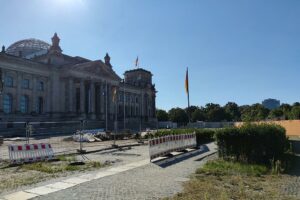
147 182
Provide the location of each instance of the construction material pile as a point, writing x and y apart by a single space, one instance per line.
94 135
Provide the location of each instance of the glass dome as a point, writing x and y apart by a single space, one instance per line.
29 48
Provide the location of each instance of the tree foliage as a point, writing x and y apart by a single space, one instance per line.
230 112
162 115
178 115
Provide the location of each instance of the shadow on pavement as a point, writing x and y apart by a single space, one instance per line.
163 163
295 170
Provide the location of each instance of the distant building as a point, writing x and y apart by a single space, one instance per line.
271 103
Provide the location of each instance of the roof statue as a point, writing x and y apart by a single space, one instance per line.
55 48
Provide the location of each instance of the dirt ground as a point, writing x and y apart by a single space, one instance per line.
15 178
61 144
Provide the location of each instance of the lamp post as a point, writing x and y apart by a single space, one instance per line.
106 105
1 82
124 104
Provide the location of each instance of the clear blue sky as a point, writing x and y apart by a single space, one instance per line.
242 51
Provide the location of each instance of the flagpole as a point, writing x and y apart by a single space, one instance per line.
188 92
124 104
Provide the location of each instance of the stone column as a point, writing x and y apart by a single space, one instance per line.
63 103
34 97
108 99
1 95
16 103
48 96
82 97
70 95
102 93
92 100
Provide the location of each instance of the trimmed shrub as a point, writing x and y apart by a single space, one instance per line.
204 135
252 143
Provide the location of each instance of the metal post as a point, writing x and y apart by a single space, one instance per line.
106 105
82 125
124 105
116 124
28 131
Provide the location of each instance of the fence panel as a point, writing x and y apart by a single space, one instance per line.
164 145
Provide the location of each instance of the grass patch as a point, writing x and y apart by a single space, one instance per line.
14 176
220 180
66 158
96 164
232 168
46 167
61 166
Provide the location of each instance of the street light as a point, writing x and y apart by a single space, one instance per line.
124 103
1 82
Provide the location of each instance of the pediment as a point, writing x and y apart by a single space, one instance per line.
97 68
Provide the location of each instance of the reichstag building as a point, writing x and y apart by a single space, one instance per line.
40 83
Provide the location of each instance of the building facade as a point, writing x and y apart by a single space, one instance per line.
40 83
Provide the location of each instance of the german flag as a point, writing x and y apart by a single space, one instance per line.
187 81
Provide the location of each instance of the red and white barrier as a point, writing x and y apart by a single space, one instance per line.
30 152
164 145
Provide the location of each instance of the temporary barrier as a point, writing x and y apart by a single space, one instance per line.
30 152
164 145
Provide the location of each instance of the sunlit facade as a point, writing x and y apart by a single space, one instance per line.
40 83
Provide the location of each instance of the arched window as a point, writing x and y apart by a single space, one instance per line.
24 104
39 105
41 86
8 81
7 103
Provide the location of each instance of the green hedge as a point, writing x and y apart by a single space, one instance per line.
252 143
202 135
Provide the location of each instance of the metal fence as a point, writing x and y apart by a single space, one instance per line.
58 134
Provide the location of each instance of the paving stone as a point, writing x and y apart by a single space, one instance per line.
61 185
21 195
75 180
42 190
146 181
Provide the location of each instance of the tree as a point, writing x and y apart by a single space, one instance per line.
214 112
295 113
198 115
276 114
190 110
162 115
178 115
232 111
296 104
255 112
286 109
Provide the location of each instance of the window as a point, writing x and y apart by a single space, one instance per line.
25 84
120 97
24 104
136 111
127 99
136 99
39 105
8 81
41 86
7 103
